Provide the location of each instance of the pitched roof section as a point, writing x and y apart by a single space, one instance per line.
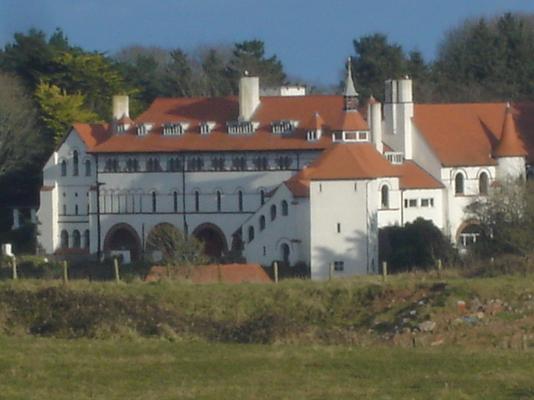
359 161
510 144
314 123
221 110
351 161
466 134
92 134
412 176
350 121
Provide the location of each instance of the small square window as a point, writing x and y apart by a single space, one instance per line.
339 266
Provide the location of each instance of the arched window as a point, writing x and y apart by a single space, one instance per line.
63 168
86 239
284 249
250 233
175 201
197 201
262 223
273 212
384 196
64 239
483 183
87 167
76 239
75 163
459 183
219 200
240 200
285 208
154 202
262 197
76 210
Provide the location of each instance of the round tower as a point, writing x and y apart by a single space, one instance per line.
510 151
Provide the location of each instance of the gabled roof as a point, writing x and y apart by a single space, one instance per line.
314 123
412 176
510 144
467 134
92 134
359 161
350 121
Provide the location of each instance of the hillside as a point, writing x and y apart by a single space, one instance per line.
407 310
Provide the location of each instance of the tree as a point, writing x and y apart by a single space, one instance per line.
506 219
20 142
91 74
214 67
176 248
487 60
249 57
179 75
375 61
416 244
58 110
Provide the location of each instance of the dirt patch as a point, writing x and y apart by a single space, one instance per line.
215 273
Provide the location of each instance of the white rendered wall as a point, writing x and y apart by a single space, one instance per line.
511 168
65 208
333 202
454 204
389 215
423 155
433 212
292 230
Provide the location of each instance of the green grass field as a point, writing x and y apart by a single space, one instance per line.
39 368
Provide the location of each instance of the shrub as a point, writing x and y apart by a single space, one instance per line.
417 244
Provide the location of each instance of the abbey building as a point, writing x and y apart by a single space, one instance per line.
296 178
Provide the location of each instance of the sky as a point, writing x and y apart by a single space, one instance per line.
312 38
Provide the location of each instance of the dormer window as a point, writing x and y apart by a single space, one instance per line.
350 136
120 128
173 129
206 127
283 126
394 157
241 127
143 129
312 136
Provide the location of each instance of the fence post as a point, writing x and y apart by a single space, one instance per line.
14 266
384 270
116 269
439 269
219 273
275 267
65 272
330 271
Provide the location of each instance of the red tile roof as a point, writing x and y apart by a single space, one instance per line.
466 134
510 144
412 176
221 110
359 161
350 121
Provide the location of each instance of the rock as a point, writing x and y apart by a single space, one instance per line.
493 308
413 312
427 326
475 305
480 315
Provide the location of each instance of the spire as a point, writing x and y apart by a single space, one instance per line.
510 144
349 84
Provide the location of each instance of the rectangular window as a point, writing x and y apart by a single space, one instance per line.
338 227
410 203
427 202
339 266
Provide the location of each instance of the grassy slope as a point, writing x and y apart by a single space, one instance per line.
39 368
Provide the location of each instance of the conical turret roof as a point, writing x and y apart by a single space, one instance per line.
510 144
350 91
